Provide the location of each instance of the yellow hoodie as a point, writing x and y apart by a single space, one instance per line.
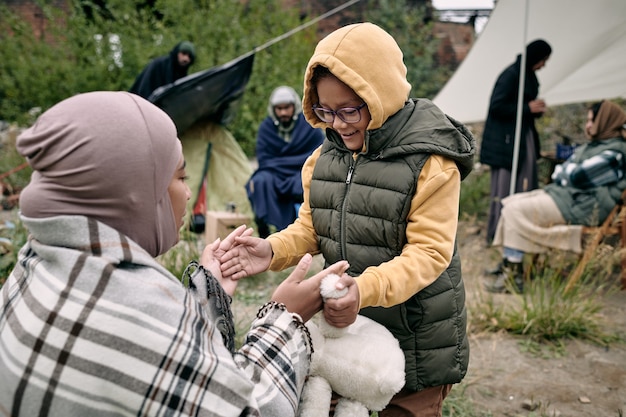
383 86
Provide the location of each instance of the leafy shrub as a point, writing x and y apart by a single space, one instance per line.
14 171
474 199
13 235
89 46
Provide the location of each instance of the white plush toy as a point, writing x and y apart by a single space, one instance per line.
363 363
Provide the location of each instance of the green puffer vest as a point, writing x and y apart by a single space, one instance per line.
359 210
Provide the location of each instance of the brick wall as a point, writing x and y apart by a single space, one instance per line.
456 38
32 13
456 41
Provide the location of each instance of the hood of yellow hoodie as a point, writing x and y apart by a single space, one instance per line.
367 59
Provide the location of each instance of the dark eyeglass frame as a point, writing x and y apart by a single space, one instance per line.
338 113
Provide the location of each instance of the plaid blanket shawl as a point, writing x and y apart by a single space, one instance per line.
92 325
607 167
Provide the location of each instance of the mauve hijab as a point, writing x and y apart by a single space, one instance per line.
608 122
108 155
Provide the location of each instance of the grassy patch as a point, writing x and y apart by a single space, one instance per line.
546 314
458 404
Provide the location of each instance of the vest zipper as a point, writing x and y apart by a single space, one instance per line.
350 171
342 237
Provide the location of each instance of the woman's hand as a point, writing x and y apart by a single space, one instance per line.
210 262
245 255
302 296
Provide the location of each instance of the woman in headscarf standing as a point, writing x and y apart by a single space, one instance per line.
498 142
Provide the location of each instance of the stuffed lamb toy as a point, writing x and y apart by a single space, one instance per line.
363 363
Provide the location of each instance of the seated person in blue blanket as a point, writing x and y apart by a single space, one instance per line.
584 190
92 325
284 141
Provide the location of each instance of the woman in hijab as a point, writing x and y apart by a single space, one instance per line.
91 324
498 141
583 191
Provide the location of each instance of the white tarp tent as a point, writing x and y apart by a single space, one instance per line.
588 60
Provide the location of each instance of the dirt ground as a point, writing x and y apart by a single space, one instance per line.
587 381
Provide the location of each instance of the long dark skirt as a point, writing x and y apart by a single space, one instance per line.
527 180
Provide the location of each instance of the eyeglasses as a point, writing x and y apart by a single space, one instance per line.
347 114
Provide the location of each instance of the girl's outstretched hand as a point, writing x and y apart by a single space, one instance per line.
342 312
230 242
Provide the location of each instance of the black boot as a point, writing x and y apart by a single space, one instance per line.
511 272
497 270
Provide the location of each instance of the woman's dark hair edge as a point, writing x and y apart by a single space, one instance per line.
595 108
320 72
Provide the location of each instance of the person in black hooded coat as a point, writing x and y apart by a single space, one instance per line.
165 69
499 134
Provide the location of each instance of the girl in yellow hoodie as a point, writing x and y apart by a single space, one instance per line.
382 192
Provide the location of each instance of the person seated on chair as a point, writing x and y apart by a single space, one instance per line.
584 190
283 143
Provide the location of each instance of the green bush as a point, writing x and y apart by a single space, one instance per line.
14 171
474 198
89 47
13 235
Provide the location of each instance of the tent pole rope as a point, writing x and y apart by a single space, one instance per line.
299 28
520 103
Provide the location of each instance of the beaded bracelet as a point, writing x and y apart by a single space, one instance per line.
218 302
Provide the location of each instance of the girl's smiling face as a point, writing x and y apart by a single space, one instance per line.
335 95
